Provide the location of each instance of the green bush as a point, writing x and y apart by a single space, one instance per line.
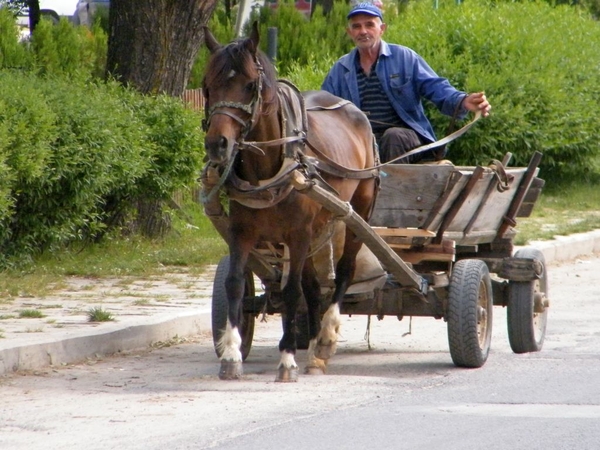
61 49
69 50
173 134
73 153
12 53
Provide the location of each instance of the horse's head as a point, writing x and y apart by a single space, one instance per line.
238 85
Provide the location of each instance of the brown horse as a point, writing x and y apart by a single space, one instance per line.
257 131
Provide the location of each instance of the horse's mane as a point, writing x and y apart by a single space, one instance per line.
237 57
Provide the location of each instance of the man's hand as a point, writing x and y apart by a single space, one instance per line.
477 102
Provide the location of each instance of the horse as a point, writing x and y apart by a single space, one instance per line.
257 130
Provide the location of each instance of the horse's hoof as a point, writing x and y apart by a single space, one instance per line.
285 375
231 370
313 370
325 351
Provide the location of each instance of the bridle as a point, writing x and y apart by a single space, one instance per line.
252 109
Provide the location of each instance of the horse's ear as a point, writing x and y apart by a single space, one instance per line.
253 40
211 43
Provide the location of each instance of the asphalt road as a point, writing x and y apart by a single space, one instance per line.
403 393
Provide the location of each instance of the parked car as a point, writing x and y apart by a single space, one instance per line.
55 9
86 11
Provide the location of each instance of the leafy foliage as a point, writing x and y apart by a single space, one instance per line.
73 154
61 49
12 53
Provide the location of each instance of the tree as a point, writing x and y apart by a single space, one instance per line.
152 46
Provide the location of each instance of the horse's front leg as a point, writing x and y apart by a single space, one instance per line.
231 340
312 294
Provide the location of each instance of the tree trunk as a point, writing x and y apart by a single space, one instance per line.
152 44
34 14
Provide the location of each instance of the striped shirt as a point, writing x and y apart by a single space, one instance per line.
374 103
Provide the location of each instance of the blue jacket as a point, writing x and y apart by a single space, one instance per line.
406 78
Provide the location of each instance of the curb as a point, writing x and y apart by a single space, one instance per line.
78 348
565 248
122 338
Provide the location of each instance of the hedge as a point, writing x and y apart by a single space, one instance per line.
72 154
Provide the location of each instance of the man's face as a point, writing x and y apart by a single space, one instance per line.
365 30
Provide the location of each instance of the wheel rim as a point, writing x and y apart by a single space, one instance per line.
539 318
483 305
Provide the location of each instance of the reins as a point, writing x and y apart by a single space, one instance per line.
302 138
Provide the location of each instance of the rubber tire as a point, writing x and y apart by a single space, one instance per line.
469 299
526 328
220 306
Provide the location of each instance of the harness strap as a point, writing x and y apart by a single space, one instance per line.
247 108
337 105
228 114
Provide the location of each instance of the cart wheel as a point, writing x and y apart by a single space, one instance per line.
220 306
470 304
527 310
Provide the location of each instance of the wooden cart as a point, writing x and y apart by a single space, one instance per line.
443 237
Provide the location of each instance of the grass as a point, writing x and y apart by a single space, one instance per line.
31 314
98 314
187 249
561 210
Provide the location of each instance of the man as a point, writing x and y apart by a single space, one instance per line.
387 82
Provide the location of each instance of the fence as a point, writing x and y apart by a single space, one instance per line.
193 99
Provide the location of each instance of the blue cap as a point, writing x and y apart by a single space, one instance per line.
366 8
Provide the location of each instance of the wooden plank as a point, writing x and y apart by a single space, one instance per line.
419 257
455 183
493 185
531 197
408 232
408 192
446 251
532 170
388 258
458 203
498 204
492 211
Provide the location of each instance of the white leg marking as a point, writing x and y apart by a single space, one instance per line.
229 344
287 361
312 360
330 325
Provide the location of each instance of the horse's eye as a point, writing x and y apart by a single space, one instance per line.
251 87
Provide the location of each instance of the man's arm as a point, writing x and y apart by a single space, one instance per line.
477 101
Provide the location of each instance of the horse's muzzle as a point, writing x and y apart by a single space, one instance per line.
218 148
